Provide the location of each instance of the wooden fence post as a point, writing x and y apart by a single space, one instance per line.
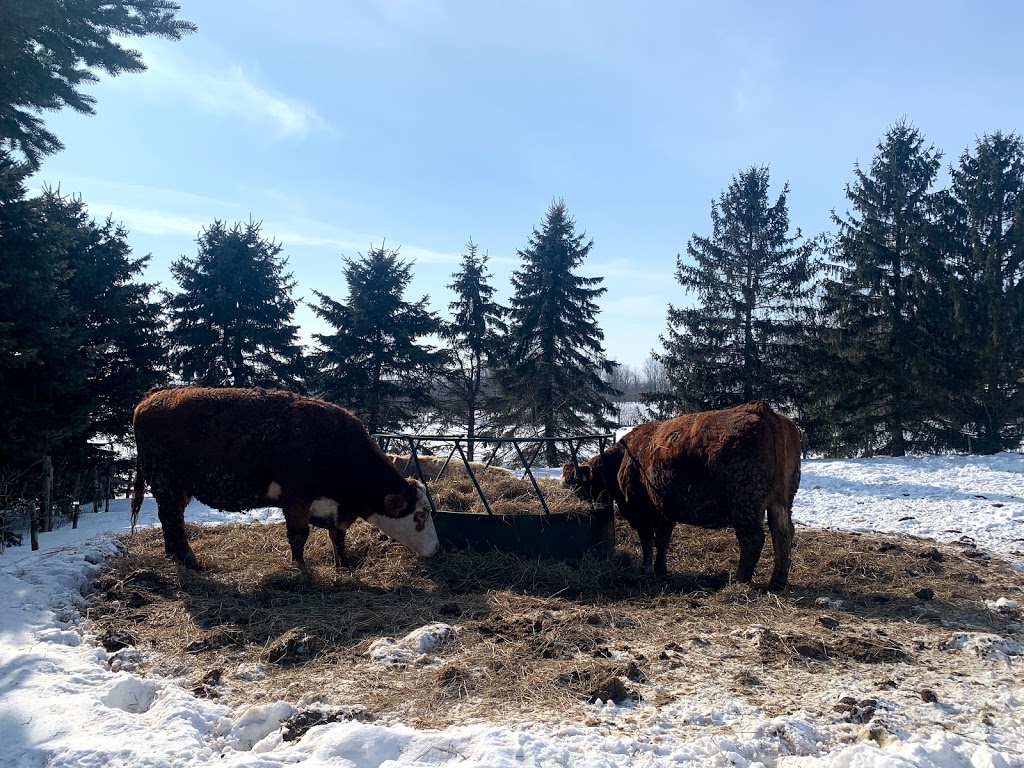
109 486
42 515
47 494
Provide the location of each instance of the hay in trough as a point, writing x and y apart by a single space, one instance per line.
506 493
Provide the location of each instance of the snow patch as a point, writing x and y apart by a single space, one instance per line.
130 694
415 647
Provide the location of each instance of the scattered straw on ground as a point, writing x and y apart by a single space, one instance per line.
541 639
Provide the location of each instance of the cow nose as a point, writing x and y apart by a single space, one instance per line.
430 550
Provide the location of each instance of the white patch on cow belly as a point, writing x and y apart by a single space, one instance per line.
274 491
403 530
324 510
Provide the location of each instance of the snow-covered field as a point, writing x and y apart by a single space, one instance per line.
63 704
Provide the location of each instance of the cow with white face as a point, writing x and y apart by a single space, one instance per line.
237 449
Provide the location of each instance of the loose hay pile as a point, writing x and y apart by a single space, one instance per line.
507 494
541 640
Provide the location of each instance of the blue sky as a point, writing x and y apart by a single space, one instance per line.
427 122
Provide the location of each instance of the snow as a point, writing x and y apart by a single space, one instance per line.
414 648
65 701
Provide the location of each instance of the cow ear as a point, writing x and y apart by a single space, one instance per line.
395 504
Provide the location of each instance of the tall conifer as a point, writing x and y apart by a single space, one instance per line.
121 349
375 361
41 381
750 282
473 337
987 225
231 323
884 301
50 49
553 376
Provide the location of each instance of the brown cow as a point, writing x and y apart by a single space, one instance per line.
236 449
715 469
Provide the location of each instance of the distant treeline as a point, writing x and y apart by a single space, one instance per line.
900 331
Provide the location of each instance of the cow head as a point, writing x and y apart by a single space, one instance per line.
586 481
406 518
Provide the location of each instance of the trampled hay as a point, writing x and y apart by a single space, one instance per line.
541 640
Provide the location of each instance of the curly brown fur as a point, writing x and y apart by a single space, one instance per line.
714 469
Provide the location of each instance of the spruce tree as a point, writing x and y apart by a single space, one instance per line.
884 301
231 323
50 49
473 338
553 375
750 279
987 222
41 380
79 337
120 340
375 362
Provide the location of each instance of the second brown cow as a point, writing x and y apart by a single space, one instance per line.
716 469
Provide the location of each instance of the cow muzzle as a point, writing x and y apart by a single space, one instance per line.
415 531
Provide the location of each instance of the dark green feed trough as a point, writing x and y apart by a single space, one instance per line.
553 536
539 533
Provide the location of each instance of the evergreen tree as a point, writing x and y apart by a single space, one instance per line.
49 49
986 218
40 378
79 340
473 337
231 323
374 362
750 279
120 343
884 301
553 374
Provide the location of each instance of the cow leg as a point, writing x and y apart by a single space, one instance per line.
780 523
338 540
296 519
750 536
170 505
646 533
662 536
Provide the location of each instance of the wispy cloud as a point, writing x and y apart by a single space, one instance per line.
228 90
147 221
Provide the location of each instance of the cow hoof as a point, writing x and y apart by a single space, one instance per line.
188 561
776 586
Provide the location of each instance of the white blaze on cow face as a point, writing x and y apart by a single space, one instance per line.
274 492
416 531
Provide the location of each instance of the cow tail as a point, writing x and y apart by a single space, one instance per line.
138 491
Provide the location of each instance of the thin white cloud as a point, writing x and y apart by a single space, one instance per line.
148 222
229 90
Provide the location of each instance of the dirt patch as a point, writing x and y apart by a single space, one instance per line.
543 639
